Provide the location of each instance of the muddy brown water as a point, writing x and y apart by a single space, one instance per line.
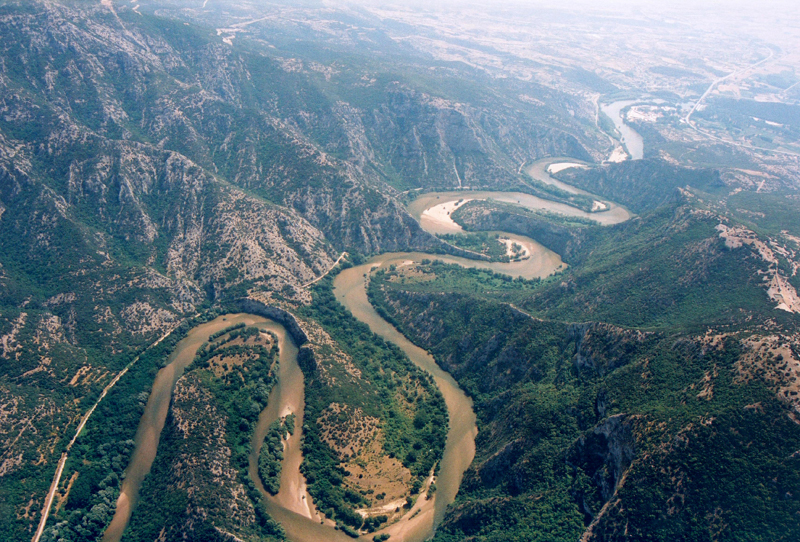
148 433
633 142
538 171
293 506
424 208
350 290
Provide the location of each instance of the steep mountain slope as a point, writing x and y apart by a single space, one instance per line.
642 185
161 160
683 379
108 238
418 122
147 170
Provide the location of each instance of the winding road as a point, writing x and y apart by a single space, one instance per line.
48 501
341 257
688 118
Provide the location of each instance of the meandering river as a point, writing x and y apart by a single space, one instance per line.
350 290
293 506
633 142
432 209
152 421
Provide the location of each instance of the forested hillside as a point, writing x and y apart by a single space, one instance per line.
166 165
638 395
148 170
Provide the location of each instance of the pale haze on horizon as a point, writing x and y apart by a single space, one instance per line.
719 5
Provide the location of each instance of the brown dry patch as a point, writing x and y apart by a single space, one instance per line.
223 363
94 376
778 287
61 299
346 430
43 367
10 462
756 407
101 376
87 375
8 409
62 498
47 449
773 359
755 173
358 442
8 342
713 340
707 391
141 318
49 331
377 475
794 239
104 315
26 511
411 273
82 372
328 354
783 292
34 426
264 339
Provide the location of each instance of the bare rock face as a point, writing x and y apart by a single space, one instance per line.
429 140
601 348
110 236
141 177
603 454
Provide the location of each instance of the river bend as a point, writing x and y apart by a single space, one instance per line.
293 506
